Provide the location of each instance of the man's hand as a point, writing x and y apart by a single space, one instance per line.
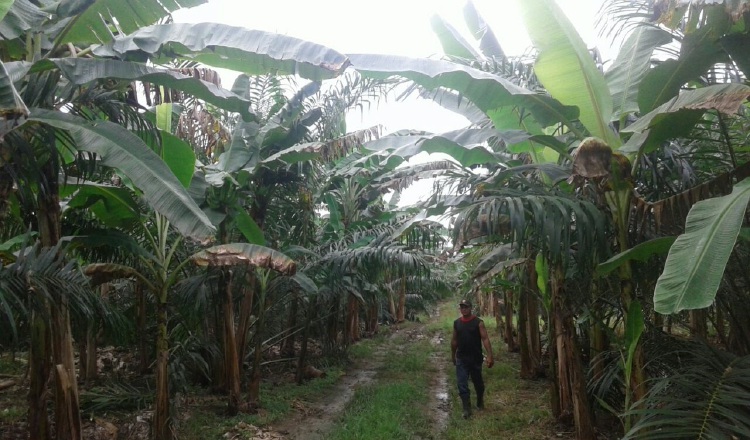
490 362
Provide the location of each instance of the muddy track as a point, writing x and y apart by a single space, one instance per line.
314 420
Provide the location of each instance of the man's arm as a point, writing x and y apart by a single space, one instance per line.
486 342
454 346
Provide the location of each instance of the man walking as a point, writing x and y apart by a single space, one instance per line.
469 334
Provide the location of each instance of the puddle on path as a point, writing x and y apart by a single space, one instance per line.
440 404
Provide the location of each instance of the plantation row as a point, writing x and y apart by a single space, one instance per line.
597 209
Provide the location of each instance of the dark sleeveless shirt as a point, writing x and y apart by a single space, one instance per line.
469 340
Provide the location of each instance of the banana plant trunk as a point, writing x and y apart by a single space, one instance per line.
401 312
569 378
87 353
352 320
162 425
371 326
302 360
67 412
599 341
253 394
40 370
637 386
140 299
287 344
528 327
510 337
698 326
392 305
231 361
246 313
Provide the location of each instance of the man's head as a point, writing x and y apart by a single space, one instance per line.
465 307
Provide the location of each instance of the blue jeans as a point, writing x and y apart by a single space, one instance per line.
466 369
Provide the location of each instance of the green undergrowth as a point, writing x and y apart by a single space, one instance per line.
396 405
209 421
13 405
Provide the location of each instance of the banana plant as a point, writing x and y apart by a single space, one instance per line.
68 29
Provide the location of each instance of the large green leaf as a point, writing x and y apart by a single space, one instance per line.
12 108
112 205
631 66
92 18
179 157
488 43
453 43
119 148
640 252
736 46
334 213
487 91
566 68
230 47
465 146
248 227
243 150
305 283
456 103
700 51
81 71
677 116
21 17
696 261
297 153
5 6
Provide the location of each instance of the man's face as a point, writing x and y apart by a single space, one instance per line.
465 310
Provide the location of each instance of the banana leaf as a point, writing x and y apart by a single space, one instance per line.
92 18
229 47
631 66
566 68
487 91
640 252
679 115
12 108
119 148
699 52
696 262
488 43
453 43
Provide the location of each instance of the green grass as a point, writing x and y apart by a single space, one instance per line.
13 413
13 405
11 367
396 405
208 420
392 407
383 411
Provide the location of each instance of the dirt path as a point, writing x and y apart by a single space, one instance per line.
314 420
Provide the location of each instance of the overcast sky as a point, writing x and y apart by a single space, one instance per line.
397 27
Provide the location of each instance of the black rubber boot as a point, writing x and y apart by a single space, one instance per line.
466 402
480 401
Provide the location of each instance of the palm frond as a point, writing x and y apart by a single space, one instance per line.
115 396
704 397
